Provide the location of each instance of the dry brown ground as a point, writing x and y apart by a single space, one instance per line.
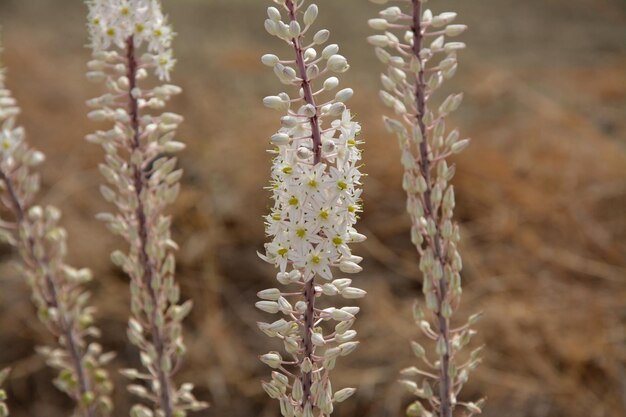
541 200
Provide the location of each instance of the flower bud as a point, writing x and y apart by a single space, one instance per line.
270 60
297 391
378 24
317 339
306 366
343 394
455 30
272 294
391 14
321 37
410 386
381 41
349 267
268 306
274 14
310 15
353 293
280 139
272 359
344 95
330 50
331 83
337 63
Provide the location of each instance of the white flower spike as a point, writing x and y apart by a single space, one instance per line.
417 63
112 22
131 39
58 289
316 192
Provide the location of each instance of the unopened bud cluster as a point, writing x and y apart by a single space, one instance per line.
57 288
141 181
316 193
414 46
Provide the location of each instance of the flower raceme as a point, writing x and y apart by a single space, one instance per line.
418 61
57 288
112 22
315 205
142 180
315 186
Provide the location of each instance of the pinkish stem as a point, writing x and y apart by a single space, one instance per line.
165 401
445 392
309 288
52 300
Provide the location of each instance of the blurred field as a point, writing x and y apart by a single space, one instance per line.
541 199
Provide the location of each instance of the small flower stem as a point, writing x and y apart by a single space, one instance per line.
309 288
165 400
445 391
309 296
66 327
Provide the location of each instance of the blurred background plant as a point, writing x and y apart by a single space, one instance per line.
131 41
57 289
540 198
419 55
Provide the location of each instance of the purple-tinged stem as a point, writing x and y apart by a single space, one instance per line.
445 391
306 87
165 400
66 327
309 287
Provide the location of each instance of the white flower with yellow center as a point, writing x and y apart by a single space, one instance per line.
315 185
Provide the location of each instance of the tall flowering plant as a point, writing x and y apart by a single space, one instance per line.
131 39
57 288
315 186
418 61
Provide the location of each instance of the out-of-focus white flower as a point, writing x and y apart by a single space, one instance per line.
112 23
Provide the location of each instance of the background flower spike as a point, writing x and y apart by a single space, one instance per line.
418 56
130 41
58 289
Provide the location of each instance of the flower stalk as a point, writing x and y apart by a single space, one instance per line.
309 286
316 193
411 80
57 288
142 181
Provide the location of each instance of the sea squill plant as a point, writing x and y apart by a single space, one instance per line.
418 61
315 186
58 289
131 39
